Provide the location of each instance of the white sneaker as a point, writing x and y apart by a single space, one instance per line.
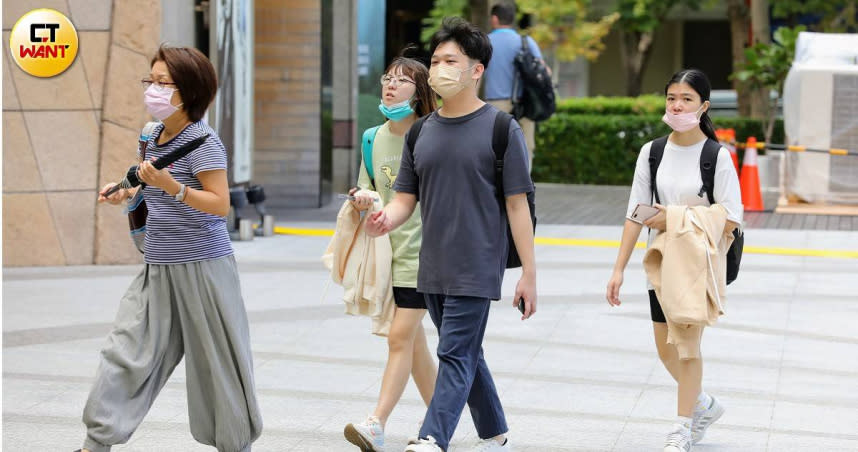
368 435
490 445
704 418
679 439
424 445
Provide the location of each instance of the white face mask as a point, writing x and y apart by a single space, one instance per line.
682 122
158 100
445 80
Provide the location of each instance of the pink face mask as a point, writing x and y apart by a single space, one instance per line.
682 122
158 101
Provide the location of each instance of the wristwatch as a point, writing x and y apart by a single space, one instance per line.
180 196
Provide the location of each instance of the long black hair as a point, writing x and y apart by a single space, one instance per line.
698 81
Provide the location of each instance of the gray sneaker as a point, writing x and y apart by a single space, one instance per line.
367 435
678 440
704 418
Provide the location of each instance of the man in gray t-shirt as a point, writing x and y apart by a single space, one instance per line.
451 172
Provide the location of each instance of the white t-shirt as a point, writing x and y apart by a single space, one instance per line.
679 180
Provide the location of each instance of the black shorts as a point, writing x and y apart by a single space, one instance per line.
655 311
408 298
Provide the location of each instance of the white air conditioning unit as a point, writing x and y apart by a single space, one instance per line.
821 112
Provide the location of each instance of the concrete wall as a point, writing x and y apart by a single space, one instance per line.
607 75
66 136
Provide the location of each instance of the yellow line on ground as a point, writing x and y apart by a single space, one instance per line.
303 231
801 252
593 243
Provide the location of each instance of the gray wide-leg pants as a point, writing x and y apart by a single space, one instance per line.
193 310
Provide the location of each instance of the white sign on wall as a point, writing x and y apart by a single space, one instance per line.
233 106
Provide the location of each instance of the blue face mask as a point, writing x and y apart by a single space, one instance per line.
396 112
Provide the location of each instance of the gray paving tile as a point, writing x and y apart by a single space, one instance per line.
796 443
579 376
599 205
820 419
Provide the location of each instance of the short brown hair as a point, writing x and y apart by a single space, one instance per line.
194 76
424 98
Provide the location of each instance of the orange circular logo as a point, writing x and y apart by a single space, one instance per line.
43 42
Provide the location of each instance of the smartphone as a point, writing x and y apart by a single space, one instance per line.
521 305
643 212
352 198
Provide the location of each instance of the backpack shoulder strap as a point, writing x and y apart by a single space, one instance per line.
413 133
708 161
500 141
366 150
524 46
656 152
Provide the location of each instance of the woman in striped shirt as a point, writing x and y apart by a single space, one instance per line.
186 302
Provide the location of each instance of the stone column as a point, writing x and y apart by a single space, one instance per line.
345 80
134 39
51 128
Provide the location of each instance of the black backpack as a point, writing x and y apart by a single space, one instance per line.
708 159
500 139
537 101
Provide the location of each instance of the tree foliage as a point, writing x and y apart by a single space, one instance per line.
441 9
637 23
766 66
834 16
564 27
645 16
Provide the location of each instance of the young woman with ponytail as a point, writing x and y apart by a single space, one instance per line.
406 96
679 182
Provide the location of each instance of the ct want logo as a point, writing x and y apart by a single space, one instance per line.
43 42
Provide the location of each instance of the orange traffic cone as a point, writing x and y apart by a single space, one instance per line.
750 178
731 146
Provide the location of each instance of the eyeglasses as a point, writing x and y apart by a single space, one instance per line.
389 79
148 82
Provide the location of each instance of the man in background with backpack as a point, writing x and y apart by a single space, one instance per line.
501 74
469 190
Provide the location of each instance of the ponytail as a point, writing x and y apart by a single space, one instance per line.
707 127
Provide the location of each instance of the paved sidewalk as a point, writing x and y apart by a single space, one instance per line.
605 205
578 376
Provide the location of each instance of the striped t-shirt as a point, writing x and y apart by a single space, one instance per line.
177 233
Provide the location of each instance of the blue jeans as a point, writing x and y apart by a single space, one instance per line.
463 375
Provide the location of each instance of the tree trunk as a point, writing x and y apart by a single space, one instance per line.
760 21
555 65
635 48
740 21
480 14
761 30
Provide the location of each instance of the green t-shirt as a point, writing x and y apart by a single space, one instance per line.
405 240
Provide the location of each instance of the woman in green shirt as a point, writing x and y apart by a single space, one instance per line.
406 95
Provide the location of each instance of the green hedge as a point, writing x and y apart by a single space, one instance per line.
602 148
642 105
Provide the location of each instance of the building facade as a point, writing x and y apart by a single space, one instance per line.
67 136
